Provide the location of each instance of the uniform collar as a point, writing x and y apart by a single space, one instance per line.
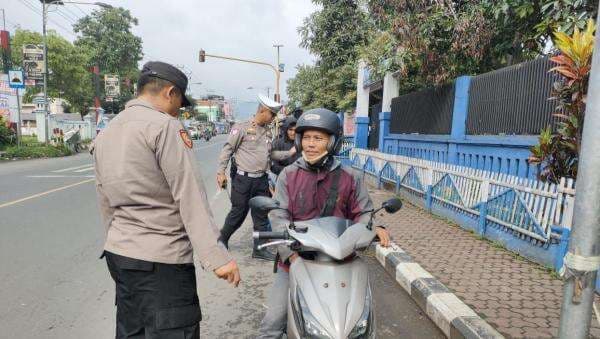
143 103
140 102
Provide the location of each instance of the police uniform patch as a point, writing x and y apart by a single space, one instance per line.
186 138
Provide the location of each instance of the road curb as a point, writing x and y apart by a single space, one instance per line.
444 308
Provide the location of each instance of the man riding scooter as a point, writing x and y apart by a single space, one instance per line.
315 185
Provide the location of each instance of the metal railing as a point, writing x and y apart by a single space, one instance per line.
525 207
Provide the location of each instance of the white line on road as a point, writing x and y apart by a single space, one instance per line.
60 176
44 193
71 168
85 170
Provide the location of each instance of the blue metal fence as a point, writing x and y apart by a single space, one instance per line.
527 216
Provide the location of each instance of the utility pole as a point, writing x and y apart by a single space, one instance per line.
44 22
19 137
96 72
45 4
277 94
3 19
583 259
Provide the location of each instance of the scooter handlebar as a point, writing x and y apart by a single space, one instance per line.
270 235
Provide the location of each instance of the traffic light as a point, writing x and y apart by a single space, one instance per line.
202 55
281 68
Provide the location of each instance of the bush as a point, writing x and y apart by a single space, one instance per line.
7 135
36 151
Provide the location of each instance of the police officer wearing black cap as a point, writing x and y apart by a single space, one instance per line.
157 217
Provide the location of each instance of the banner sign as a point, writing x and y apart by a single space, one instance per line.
33 61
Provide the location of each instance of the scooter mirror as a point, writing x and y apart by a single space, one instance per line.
392 206
264 204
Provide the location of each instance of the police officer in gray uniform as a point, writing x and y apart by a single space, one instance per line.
249 148
157 217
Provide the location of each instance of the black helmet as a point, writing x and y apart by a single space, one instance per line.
324 120
289 121
297 112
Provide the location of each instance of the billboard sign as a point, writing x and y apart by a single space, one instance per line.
33 61
111 86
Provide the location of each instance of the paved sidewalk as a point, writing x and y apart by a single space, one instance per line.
517 297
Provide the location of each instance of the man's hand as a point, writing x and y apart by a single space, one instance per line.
229 272
293 150
383 235
293 257
221 180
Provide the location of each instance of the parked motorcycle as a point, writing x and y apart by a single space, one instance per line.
330 292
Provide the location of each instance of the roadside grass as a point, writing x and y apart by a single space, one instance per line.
31 148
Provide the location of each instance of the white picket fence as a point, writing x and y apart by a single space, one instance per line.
528 207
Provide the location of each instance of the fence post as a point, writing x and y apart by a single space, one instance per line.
384 129
41 125
459 116
429 188
483 197
361 132
563 246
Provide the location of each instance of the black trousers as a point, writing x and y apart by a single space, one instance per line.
154 300
242 189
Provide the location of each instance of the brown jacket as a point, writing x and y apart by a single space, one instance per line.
152 199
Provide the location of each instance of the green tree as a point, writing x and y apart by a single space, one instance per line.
67 67
106 34
334 34
432 42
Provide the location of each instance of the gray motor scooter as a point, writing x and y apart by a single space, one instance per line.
330 293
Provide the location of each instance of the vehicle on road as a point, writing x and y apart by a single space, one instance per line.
194 133
330 292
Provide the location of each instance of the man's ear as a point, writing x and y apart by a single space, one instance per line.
171 92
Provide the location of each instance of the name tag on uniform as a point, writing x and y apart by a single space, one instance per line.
251 131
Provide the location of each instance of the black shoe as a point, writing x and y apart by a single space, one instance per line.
263 254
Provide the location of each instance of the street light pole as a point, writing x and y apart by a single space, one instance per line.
203 55
44 22
277 94
583 259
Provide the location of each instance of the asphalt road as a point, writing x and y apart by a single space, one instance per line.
52 284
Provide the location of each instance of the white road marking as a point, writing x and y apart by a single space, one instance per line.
71 168
60 176
85 170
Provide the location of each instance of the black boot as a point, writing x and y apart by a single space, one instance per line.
264 253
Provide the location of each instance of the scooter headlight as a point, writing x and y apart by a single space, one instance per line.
308 325
364 326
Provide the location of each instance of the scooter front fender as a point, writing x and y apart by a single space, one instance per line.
334 293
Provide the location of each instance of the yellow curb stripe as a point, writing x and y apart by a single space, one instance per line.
45 193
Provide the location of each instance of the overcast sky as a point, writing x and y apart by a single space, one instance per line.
174 31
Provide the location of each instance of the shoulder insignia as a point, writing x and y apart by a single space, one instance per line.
187 141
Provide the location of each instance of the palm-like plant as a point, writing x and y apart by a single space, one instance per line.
558 152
